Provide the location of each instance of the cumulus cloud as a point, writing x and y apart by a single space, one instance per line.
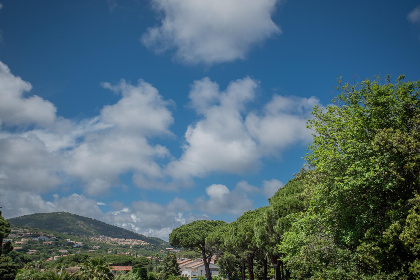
414 15
103 157
123 146
25 164
96 150
211 31
15 109
229 138
219 142
223 201
282 123
23 203
141 110
153 219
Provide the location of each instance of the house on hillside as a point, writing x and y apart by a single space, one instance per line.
193 269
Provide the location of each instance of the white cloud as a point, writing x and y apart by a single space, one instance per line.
282 124
271 187
15 109
96 150
1 6
223 201
414 15
25 164
122 146
141 110
153 219
78 204
219 142
211 31
17 204
228 139
101 158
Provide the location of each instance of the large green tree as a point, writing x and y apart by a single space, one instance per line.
241 239
171 267
272 223
365 166
4 233
8 269
227 261
193 236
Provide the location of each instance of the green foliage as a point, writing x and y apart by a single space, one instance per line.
277 219
129 276
228 264
95 269
8 269
364 167
127 261
285 203
193 235
19 259
51 274
141 273
171 267
152 276
4 232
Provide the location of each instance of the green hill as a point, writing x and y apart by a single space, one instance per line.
77 225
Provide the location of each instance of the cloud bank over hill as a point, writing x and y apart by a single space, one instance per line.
43 153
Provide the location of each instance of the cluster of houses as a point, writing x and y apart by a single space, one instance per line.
119 241
21 237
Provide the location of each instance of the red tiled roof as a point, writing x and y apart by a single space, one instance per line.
121 268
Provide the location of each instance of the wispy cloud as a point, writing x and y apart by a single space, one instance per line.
414 15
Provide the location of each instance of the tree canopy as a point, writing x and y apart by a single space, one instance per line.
193 236
364 167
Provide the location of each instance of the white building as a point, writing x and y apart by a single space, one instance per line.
194 269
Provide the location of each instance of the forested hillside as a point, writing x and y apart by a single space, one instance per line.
77 225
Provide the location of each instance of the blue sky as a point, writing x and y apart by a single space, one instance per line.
149 114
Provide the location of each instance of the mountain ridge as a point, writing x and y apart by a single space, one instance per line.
65 222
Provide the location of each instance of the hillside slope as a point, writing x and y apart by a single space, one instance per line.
78 225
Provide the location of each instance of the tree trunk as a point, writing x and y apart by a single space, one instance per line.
206 261
282 271
251 267
243 269
276 266
265 261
